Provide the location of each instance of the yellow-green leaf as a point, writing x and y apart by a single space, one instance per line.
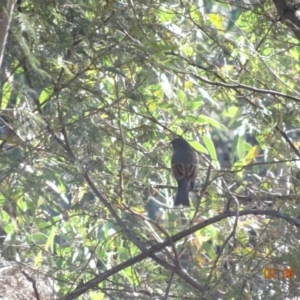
251 154
6 94
216 20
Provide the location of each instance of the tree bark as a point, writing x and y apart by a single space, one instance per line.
6 10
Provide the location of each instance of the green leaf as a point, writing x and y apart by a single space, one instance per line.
39 237
181 96
131 275
8 226
169 108
45 95
41 223
251 155
197 146
188 50
50 240
6 91
194 104
38 258
211 149
240 146
262 141
166 15
97 295
230 112
202 119
238 168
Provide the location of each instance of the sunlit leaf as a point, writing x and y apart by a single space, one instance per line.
152 105
193 105
251 155
187 50
6 92
216 20
211 149
166 86
45 95
230 112
207 120
49 245
38 258
197 146
181 96
166 15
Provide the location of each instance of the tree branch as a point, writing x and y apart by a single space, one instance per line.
6 10
150 252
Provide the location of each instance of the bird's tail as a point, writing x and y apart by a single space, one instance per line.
182 196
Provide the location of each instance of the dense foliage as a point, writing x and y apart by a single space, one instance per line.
92 93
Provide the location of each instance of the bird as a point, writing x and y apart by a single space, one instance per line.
184 168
